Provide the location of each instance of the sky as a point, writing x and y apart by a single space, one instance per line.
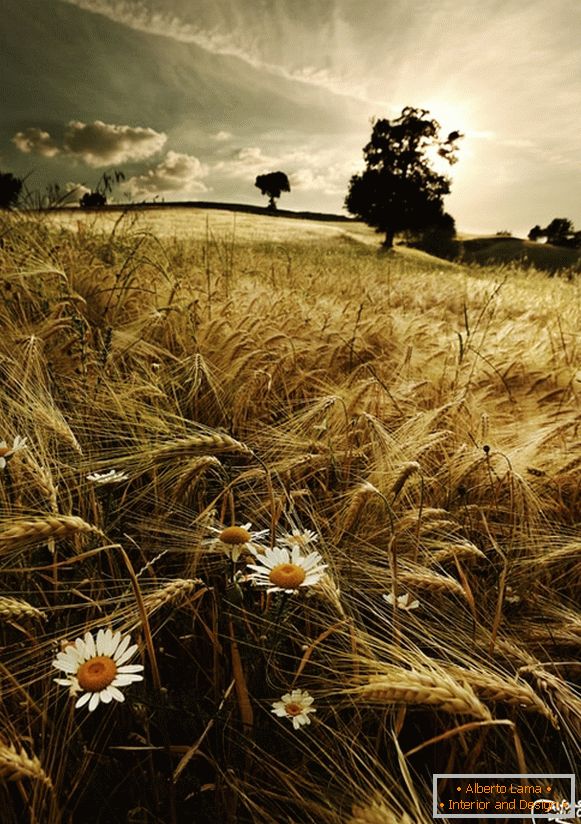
193 99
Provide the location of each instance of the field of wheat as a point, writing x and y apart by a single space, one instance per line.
292 523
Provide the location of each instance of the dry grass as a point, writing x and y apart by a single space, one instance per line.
422 420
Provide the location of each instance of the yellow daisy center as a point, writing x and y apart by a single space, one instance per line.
234 535
97 673
287 576
293 709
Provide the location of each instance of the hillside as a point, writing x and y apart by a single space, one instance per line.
493 251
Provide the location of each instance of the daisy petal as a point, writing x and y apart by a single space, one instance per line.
121 648
94 702
100 642
83 699
90 645
116 694
126 655
130 668
66 665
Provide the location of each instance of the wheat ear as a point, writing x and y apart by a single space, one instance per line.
26 531
13 608
216 441
16 764
490 687
170 593
401 686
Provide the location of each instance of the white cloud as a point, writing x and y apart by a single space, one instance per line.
176 174
247 161
35 141
76 190
309 169
223 136
104 144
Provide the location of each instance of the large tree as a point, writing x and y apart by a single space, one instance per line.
559 232
272 184
399 190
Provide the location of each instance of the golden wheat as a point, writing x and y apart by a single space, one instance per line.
16 764
15 608
32 530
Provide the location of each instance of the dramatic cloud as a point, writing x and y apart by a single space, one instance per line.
97 143
35 141
104 144
177 174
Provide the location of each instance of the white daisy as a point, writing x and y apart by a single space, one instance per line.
295 705
284 571
6 452
298 538
405 602
234 540
97 667
111 477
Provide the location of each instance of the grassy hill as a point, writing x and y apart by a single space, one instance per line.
207 400
491 251
246 222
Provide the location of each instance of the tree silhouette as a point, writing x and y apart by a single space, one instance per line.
10 190
559 232
272 184
399 190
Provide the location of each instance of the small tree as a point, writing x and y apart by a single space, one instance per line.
93 200
272 184
399 190
97 198
10 190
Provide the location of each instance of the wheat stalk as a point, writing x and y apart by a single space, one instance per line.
431 582
434 689
183 446
13 608
194 469
460 552
25 531
16 764
490 687
406 471
170 593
